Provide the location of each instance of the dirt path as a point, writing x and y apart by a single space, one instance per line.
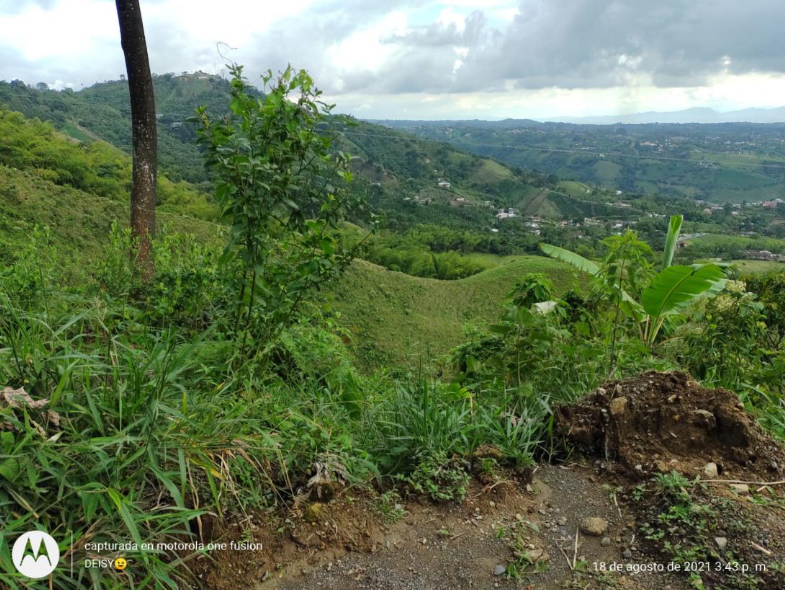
457 547
534 205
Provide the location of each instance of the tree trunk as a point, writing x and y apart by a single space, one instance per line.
145 133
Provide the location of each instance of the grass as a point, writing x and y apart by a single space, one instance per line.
490 171
574 188
758 267
80 222
409 319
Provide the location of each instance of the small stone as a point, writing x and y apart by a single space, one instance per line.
537 555
606 541
562 521
488 452
492 504
313 512
500 570
594 526
722 542
710 470
740 488
662 466
705 419
627 554
618 406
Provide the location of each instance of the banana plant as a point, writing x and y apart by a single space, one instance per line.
668 292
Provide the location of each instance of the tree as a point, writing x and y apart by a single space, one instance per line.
281 185
145 133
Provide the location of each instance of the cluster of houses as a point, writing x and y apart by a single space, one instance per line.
509 213
417 199
763 255
710 208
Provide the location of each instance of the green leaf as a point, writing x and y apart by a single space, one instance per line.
675 286
9 469
125 514
572 258
674 229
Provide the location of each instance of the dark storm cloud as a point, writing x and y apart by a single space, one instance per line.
591 44
550 43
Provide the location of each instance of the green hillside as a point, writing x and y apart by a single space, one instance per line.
391 166
95 167
723 162
79 221
407 319
103 111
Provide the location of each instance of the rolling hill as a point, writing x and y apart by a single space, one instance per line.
391 166
409 320
721 162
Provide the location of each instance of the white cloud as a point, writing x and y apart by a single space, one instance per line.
433 58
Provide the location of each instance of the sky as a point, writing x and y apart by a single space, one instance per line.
461 59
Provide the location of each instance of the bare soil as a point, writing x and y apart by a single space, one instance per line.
659 422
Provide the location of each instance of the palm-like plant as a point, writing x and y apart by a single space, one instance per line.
666 294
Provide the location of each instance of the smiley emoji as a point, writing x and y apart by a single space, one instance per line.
120 564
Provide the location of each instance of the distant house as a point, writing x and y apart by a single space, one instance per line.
443 184
760 255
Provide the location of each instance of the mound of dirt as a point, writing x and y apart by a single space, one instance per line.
668 421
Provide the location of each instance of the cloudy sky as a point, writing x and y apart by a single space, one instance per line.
458 59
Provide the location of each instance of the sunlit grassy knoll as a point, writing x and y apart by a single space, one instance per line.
407 318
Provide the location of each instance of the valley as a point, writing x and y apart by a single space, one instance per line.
434 359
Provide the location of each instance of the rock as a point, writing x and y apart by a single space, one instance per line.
594 526
704 418
710 470
662 466
313 512
606 541
537 555
618 406
627 554
488 452
740 488
722 542
562 521
500 570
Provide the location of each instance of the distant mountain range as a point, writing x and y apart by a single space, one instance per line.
694 115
